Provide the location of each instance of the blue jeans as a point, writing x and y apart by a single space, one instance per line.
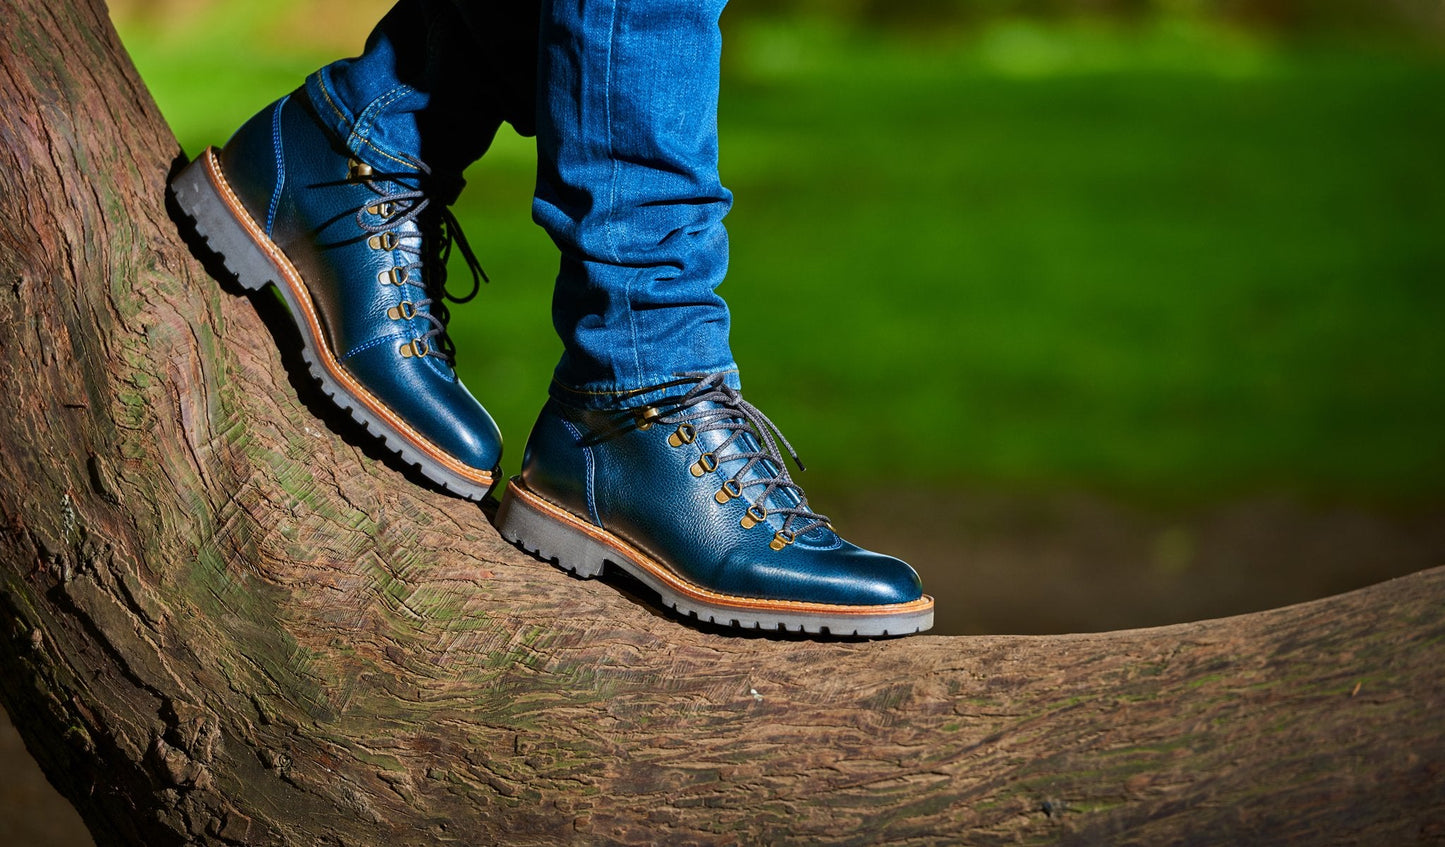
622 96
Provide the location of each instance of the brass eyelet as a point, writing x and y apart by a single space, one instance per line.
645 417
393 276
753 516
415 348
381 210
707 463
781 539
729 490
384 241
358 170
684 435
404 311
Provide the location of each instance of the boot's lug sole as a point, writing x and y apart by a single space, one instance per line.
224 224
573 544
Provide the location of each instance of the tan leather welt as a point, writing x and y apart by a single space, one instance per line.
313 321
682 586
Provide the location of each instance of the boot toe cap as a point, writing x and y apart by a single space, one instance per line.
847 576
434 404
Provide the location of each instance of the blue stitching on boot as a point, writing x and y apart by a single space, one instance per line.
280 165
441 369
591 473
361 348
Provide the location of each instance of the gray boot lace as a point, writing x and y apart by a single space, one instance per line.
763 451
426 263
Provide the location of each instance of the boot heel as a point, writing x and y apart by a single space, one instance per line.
549 539
216 224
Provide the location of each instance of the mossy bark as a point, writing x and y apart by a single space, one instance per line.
226 619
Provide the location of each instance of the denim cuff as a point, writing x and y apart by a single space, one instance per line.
651 391
353 131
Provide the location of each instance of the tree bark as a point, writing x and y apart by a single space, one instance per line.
229 620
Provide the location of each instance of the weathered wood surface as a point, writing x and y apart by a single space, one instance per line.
224 620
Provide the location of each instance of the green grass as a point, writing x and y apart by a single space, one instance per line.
1169 262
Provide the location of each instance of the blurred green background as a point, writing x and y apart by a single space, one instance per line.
1103 313
1013 275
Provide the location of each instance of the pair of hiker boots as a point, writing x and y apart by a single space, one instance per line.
690 494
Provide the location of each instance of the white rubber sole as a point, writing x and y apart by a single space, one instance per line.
229 232
573 544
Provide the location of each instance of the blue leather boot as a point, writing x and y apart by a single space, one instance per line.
358 254
692 497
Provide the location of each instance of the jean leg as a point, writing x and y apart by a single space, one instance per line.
430 83
628 188
503 38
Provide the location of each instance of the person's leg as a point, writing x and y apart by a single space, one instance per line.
436 80
647 456
628 188
337 193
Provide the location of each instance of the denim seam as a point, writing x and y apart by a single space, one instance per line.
280 165
326 93
612 189
351 126
648 382
367 119
381 151
591 472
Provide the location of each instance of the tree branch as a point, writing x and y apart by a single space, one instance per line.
227 621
